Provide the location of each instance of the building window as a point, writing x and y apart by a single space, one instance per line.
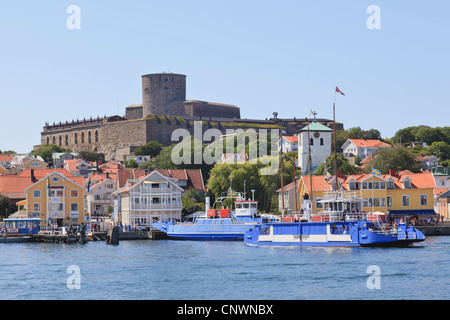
389 201
311 142
423 200
321 141
390 184
74 193
37 207
405 201
74 207
407 184
36 193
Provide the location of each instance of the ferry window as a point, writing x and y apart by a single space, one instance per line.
238 205
245 205
156 200
253 205
423 200
136 200
37 193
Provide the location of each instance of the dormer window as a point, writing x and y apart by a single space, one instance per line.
407 184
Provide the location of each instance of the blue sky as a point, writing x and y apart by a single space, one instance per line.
262 56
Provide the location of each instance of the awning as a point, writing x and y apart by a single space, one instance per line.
412 212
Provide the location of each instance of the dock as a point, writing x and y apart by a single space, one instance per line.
441 229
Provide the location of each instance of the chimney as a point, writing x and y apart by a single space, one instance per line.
107 175
392 172
32 177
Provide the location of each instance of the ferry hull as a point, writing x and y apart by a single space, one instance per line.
211 232
329 234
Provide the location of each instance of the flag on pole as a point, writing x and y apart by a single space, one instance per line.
328 176
89 184
376 172
48 182
339 91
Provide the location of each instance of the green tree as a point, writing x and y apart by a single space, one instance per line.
439 149
189 205
153 148
6 207
397 157
91 156
45 152
342 164
131 164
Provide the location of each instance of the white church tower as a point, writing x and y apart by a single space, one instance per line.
320 143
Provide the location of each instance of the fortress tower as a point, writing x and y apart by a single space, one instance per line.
161 89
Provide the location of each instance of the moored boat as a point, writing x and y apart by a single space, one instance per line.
218 224
340 224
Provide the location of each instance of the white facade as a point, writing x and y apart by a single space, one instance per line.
100 197
150 198
362 148
290 143
319 142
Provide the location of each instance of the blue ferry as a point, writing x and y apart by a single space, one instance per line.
341 224
218 224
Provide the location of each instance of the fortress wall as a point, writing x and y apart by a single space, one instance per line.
121 134
86 137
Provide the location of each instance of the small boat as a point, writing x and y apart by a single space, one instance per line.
218 224
341 224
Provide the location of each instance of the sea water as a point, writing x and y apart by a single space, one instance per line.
207 270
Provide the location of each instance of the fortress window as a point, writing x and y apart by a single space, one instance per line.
82 137
96 136
48 140
67 140
89 137
76 138
60 141
54 140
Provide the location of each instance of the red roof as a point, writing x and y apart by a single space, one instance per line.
369 143
5 158
420 180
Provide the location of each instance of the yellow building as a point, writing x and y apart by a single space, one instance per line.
57 199
401 194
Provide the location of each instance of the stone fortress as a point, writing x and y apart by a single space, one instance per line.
164 109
